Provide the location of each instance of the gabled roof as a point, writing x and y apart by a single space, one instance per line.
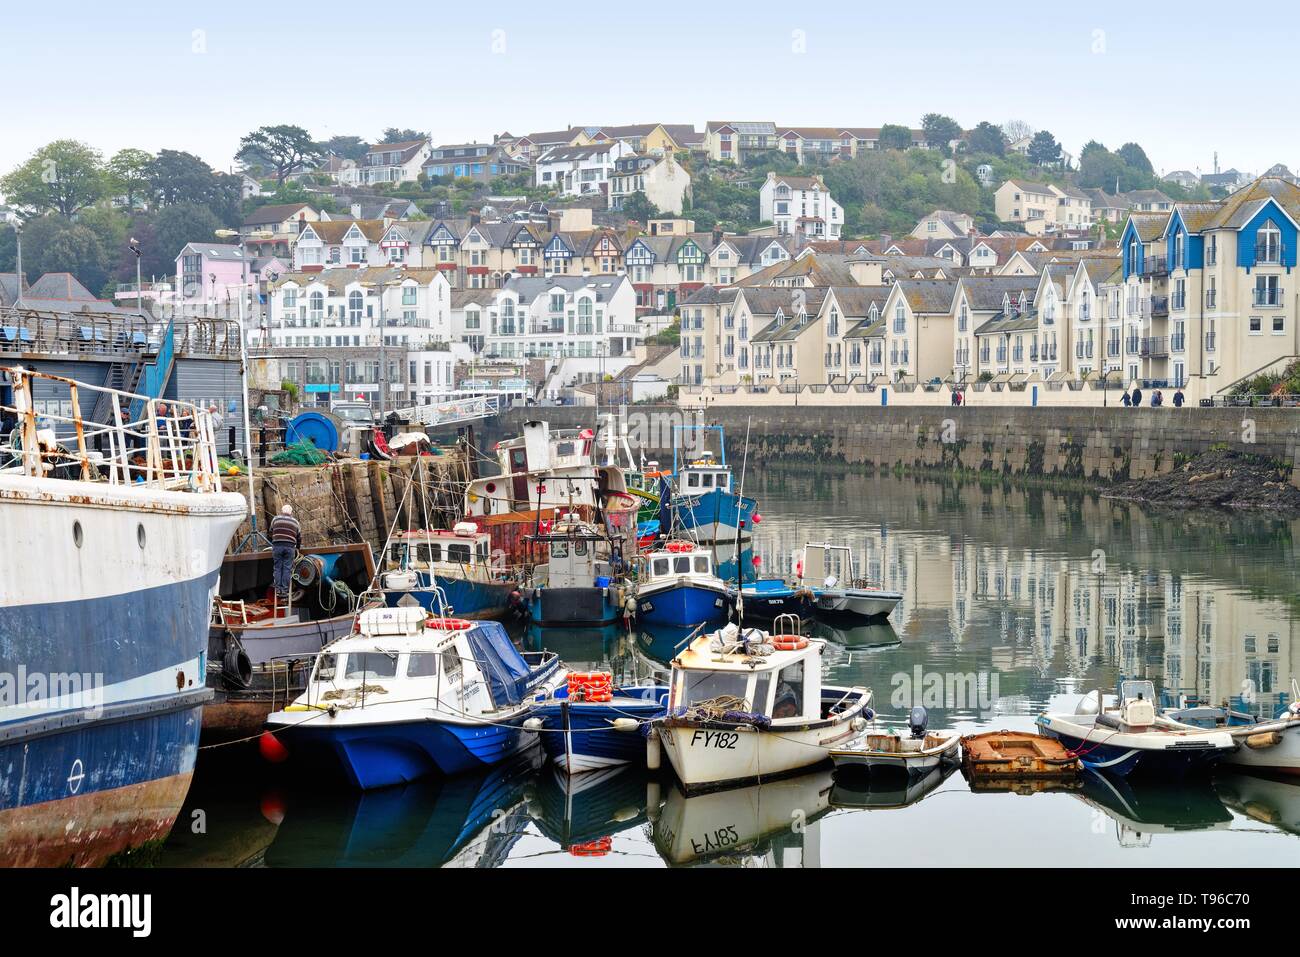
267 215
927 296
985 293
59 285
332 232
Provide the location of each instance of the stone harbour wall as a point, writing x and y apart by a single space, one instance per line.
1092 446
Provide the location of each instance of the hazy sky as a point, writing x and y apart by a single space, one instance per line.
163 76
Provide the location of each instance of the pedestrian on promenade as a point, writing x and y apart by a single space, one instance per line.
1179 399
1126 399
286 539
1137 398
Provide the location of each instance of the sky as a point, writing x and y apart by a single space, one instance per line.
198 77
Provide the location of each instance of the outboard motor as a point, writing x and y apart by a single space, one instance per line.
917 721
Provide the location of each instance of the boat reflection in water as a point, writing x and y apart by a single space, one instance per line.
877 634
1265 799
582 812
467 820
1141 809
764 825
861 791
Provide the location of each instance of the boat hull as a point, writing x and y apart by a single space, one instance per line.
712 516
682 603
581 737
1124 754
468 599
1280 758
103 643
850 605
769 604
710 755
594 606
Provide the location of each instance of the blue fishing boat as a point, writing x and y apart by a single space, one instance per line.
702 501
411 695
677 586
768 598
581 735
449 573
111 565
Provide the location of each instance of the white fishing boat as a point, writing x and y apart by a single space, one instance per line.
841 597
1132 738
1272 746
746 706
917 753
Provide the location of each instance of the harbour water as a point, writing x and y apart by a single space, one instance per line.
1011 595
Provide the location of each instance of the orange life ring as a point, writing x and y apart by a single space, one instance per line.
679 547
790 643
449 624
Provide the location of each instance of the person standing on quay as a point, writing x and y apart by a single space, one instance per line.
1137 398
286 539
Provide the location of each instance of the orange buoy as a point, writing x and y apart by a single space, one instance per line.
448 624
271 748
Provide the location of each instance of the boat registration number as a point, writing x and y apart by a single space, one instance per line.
723 740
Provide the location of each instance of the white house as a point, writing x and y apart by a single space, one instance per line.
800 206
577 170
387 163
586 317
662 180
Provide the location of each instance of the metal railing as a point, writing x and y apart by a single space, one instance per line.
27 331
171 446
1267 296
1154 346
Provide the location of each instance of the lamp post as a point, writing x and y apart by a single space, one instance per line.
18 261
134 245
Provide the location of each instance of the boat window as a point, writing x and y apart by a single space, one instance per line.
721 480
693 479
702 564
458 553
789 692
429 553
482 552
660 566
563 448
762 682
397 553
580 547
325 666
682 565
701 686
707 479
421 664
559 549
365 665
451 666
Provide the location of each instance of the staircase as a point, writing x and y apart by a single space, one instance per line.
151 377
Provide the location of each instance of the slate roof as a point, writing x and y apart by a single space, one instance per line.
268 215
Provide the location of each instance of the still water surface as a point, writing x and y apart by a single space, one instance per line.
1011 596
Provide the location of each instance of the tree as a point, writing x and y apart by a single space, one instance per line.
284 149
1044 150
1017 130
128 173
987 138
395 135
638 207
1090 147
178 177
173 227
895 137
940 131
61 177
348 147
1135 158
53 243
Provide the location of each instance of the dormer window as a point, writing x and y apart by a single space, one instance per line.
1268 243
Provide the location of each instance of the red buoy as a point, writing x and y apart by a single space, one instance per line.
271 748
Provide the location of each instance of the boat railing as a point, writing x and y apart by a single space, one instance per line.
171 446
787 626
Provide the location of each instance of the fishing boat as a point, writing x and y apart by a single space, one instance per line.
889 792
115 538
702 502
826 568
576 583
260 652
411 695
748 705
592 724
676 585
583 813
449 572
1272 746
769 598
1131 739
544 475
920 752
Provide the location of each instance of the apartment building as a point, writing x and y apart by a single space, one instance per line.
1043 207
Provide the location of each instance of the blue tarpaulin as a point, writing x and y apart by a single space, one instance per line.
501 663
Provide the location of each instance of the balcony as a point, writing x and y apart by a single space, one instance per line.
1033 353
1211 298
1267 296
1178 301
1017 355
1178 342
1268 254
1154 346
1209 341
1157 306
1153 265
1131 345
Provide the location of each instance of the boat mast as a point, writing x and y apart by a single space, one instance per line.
740 508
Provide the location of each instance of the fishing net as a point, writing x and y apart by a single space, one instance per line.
300 453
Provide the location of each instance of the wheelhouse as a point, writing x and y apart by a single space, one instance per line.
678 563
462 552
782 686
575 555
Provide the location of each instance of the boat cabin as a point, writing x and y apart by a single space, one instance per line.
704 475
576 555
825 565
718 671
462 552
679 560
401 654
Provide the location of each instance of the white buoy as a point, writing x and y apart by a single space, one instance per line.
533 724
626 724
653 751
652 800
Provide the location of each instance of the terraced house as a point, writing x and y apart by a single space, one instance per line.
666 269
1210 285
